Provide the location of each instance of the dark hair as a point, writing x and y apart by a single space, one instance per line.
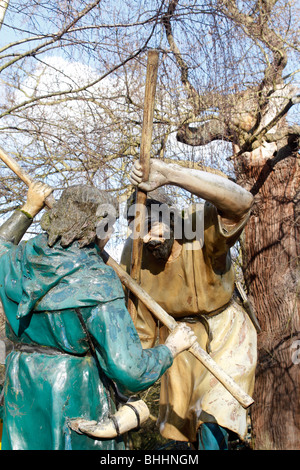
76 214
156 197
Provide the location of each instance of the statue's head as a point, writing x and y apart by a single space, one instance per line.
83 213
159 230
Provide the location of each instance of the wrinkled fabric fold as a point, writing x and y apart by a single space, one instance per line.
35 269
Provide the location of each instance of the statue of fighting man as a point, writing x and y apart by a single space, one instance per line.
193 280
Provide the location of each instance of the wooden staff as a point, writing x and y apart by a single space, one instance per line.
141 196
15 167
234 389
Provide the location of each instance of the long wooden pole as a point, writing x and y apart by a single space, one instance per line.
141 196
15 167
233 388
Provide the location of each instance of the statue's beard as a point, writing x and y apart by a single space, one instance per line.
160 249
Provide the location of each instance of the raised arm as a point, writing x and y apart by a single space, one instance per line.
231 200
13 229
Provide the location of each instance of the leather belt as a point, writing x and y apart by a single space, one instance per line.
203 319
199 316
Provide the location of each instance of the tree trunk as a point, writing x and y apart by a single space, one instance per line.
270 257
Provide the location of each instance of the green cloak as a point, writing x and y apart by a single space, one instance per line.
58 379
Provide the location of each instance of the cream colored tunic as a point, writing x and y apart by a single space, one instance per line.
199 284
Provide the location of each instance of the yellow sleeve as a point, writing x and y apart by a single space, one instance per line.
218 237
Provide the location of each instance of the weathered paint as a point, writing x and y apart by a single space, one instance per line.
43 391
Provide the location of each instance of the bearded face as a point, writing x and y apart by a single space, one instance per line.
159 240
159 226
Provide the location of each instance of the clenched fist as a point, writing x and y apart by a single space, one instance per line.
37 193
180 339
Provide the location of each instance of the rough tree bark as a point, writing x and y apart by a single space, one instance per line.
271 258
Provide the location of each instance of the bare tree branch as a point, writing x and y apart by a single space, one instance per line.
3 7
55 37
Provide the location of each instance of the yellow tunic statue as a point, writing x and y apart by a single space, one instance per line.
195 284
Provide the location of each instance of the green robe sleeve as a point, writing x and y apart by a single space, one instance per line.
13 229
119 349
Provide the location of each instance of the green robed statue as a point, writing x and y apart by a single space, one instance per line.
73 338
